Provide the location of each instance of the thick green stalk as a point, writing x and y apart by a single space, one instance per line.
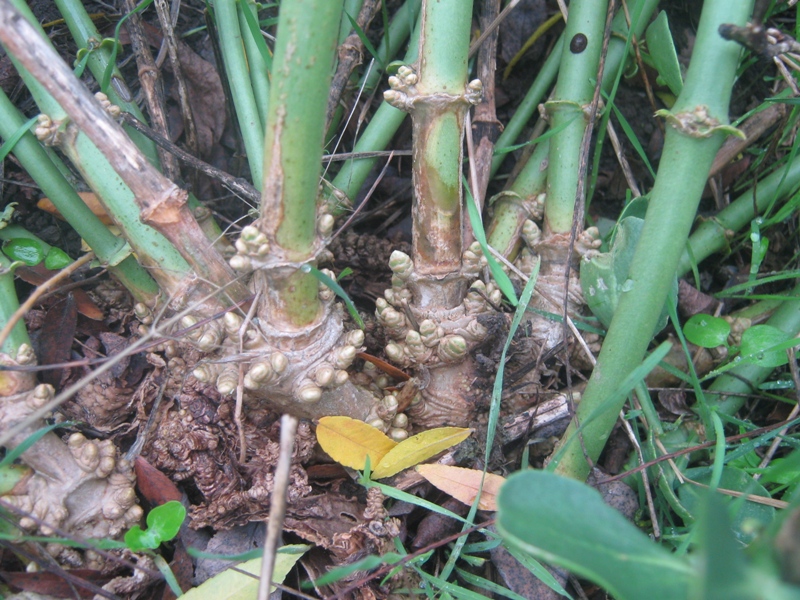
574 90
690 146
86 35
377 135
8 306
438 107
304 54
352 8
244 100
112 251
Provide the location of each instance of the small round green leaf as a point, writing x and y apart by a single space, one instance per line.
707 331
758 344
24 250
56 259
163 524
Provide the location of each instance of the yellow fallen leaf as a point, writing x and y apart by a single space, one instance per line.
417 448
462 484
349 441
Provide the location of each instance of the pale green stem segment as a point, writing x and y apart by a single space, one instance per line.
687 158
112 251
712 235
153 249
583 43
244 99
8 306
438 113
85 34
352 8
259 73
304 53
377 135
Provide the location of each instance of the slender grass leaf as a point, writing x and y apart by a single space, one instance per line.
15 453
255 30
12 140
500 277
337 289
365 40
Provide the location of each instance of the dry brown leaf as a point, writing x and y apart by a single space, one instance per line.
89 199
462 484
349 441
417 448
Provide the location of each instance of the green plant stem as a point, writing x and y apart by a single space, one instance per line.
573 93
438 118
352 8
376 136
400 29
244 98
294 143
713 235
85 35
672 208
111 251
8 306
181 248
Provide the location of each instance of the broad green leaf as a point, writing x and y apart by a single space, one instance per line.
757 344
604 277
232 585
662 51
349 441
417 448
566 523
707 331
463 484
750 518
25 250
163 524
56 258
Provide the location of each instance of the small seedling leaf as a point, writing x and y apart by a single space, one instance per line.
349 441
417 448
707 331
463 484
163 524
56 258
757 346
662 51
11 475
25 250
234 585
566 523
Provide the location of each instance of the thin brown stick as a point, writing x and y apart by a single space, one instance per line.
350 56
190 130
277 504
40 291
150 78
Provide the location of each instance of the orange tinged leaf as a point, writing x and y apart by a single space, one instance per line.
349 441
417 448
89 199
462 484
